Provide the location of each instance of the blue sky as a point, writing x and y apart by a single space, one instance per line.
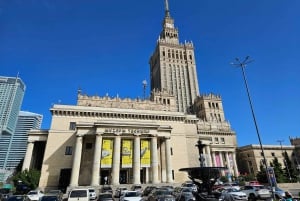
58 46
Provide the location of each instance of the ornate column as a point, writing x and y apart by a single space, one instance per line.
96 161
28 155
163 161
116 161
76 161
235 169
222 162
207 148
214 159
168 161
137 160
154 161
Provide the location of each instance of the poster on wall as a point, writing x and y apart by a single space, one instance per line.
107 153
145 153
127 153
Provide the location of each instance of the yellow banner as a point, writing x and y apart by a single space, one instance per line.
107 153
145 153
126 153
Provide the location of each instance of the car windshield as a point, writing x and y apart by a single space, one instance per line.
107 195
132 194
32 193
49 198
163 192
78 193
91 190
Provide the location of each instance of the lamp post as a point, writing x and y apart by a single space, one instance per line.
286 166
242 65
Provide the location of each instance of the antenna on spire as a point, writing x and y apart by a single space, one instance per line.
167 8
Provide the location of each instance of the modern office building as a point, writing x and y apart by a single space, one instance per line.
12 91
14 146
134 141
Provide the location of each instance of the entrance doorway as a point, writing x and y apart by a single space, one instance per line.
105 177
123 177
64 179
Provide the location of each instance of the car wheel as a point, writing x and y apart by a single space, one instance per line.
252 197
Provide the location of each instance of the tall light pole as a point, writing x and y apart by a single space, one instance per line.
242 65
285 164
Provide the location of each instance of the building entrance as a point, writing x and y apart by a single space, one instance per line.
123 177
105 177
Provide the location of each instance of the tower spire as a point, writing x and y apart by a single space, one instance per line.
167 8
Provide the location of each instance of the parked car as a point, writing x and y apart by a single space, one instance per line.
119 191
92 192
278 192
35 195
137 187
232 194
105 197
51 197
106 189
4 194
256 192
190 185
148 190
131 196
161 195
16 198
79 195
58 193
186 196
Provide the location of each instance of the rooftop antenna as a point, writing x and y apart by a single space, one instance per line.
144 88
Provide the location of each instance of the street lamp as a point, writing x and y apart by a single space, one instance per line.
242 65
286 166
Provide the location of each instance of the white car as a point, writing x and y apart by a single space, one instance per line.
92 192
35 195
233 194
131 196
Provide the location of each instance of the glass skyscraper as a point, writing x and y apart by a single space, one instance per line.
13 147
12 91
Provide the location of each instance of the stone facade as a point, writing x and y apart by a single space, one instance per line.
250 157
117 140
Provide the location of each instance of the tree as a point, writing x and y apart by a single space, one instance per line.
28 177
289 171
262 175
278 171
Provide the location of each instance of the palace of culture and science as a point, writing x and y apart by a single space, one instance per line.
137 141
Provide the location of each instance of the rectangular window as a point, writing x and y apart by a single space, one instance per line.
72 126
69 150
173 174
273 154
171 151
216 140
222 140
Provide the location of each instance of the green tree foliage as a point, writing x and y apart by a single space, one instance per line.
278 171
28 177
261 175
289 171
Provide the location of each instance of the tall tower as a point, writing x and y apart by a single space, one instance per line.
173 66
11 96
